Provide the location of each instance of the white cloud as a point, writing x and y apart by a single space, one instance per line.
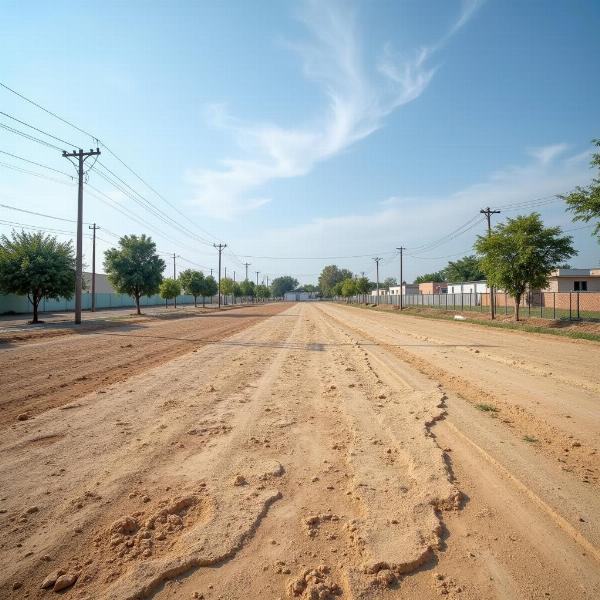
414 221
359 97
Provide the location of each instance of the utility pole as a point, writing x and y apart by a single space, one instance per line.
246 265
93 227
267 281
81 157
225 272
257 272
211 272
377 259
401 280
488 212
234 277
220 248
174 276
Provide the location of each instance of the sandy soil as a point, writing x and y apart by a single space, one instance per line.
324 452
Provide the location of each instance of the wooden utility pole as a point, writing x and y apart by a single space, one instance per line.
174 276
93 227
246 265
81 157
220 248
257 272
401 278
488 212
377 259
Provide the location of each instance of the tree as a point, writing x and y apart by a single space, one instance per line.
209 288
584 202
438 277
134 268
227 285
169 288
329 277
363 285
521 254
465 269
37 266
262 291
389 282
348 287
281 285
192 283
248 289
308 287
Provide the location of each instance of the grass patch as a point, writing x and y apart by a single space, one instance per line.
486 408
530 439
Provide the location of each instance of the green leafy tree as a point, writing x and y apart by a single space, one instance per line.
37 266
363 286
308 287
281 285
227 286
262 291
521 254
209 288
388 282
329 277
237 289
134 268
467 268
192 282
248 288
437 277
584 202
169 288
348 287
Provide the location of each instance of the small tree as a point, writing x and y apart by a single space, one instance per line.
467 268
522 253
348 287
585 202
191 282
227 286
169 288
248 289
209 288
37 266
329 277
362 285
134 268
437 277
281 285
262 291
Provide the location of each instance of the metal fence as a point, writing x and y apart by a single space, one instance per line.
573 306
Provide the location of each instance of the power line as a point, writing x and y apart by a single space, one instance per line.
37 164
38 214
38 130
29 137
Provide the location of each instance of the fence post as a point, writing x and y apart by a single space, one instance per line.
570 314
505 303
529 307
554 305
542 302
578 306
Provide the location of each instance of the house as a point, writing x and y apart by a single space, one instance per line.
433 287
468 287
574 280
380 292
299 296
407 289
103 286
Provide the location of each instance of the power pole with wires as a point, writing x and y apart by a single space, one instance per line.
81 157
93 227
246 265
401 249
220 248
257 272
488 212
174 275
377 259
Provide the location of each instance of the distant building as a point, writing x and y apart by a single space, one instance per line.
300 296
574 280
103 286
468 287
380 292
433 287
407 289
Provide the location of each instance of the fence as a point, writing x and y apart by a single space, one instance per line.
20 304
573 306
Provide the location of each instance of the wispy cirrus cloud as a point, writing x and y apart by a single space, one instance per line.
359 98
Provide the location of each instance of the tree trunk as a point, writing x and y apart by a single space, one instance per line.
203 302
137 305
35 303
195 305
166 303
517 304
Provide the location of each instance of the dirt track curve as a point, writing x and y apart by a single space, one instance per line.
323 452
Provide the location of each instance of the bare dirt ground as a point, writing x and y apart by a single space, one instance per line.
324 452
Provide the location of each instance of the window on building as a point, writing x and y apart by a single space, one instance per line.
580 286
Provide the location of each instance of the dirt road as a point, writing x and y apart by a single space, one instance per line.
324 452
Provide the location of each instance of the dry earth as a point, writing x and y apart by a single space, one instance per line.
323 452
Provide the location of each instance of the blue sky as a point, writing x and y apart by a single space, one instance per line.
306 129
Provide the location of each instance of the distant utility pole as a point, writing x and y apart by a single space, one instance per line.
488 212
211 272
174 276
401 280
246 265
225 272
220 248
257 272
234 277
267 281
377 259
81 157
93 227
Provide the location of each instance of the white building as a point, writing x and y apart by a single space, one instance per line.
299 296
407 289
469 287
